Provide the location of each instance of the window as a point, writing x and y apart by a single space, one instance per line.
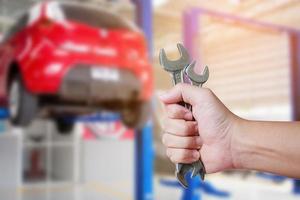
94 17
17 26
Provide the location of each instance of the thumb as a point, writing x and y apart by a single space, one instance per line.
181 92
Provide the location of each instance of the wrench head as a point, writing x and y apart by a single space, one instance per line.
181 179
182 170
197 79
198 168
174 65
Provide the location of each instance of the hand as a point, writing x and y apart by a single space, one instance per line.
211 132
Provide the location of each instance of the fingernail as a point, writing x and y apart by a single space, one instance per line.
196 128
195 154
198 141
188 115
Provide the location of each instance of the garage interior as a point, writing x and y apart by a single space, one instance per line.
248 48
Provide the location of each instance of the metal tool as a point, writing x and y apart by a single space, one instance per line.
195 78
179 69
175 67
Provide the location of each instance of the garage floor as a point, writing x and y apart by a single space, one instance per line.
249 189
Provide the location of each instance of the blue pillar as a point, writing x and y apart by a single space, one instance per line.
190 192
144 18
144 138
144 163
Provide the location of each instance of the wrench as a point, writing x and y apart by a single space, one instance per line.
198 166
197 80
178 69
175 66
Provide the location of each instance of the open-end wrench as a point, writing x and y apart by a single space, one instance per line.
195 78
177 69
198 166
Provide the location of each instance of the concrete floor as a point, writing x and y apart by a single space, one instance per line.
250 189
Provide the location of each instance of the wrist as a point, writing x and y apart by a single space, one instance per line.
238 140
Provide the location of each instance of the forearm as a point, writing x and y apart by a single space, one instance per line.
267 146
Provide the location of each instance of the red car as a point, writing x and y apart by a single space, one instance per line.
65 59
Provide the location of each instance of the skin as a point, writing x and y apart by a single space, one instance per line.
224 140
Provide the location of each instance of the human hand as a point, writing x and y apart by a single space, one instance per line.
208 137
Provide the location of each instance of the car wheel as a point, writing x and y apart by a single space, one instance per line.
136 115
64 127
22 105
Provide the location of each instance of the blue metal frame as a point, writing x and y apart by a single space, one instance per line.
3 113
195 186
144 15
144 138
144 163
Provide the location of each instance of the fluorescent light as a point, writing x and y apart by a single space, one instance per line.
158 3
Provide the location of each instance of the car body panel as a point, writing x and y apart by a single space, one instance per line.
45 50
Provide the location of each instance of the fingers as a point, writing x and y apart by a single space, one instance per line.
183 155
173 141
180 127
175 111
182 92
181 139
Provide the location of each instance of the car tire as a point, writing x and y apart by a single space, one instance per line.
136 115
22 105
64 127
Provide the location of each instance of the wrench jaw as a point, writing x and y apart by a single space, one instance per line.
198 168
196 78
181 170
174 65
181 179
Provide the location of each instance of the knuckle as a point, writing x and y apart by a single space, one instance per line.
164 123
168 153
187 143
187 128
163 139
195 142
173 160
192 143
179 85
172 111
184 154
207 92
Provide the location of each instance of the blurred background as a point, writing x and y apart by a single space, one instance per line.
252 49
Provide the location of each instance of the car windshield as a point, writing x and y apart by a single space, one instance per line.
94 17
19 24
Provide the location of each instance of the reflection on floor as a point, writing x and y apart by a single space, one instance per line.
250 189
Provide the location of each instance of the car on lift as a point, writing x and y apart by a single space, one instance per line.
63 59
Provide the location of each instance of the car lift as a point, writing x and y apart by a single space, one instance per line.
196 184
144 138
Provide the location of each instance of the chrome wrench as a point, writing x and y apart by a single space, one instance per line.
178 68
